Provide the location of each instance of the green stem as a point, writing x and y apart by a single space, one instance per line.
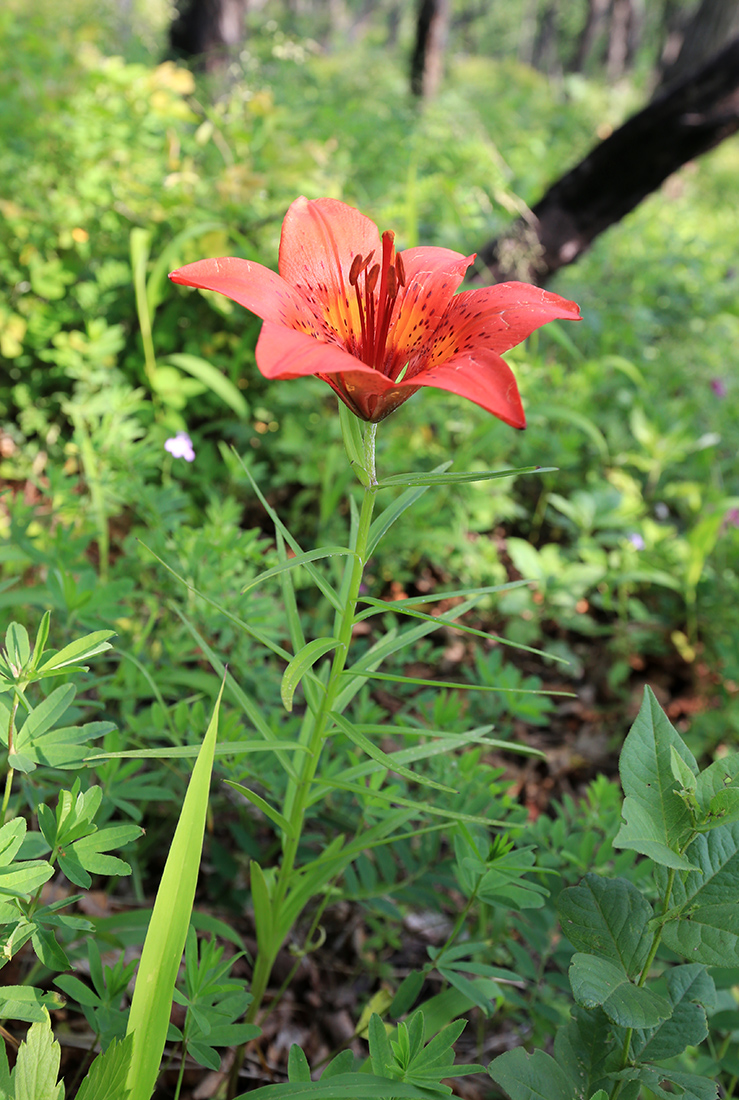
645 974
298 798
11 771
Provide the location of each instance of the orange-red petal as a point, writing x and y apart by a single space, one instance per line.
251 285
432 276
483 377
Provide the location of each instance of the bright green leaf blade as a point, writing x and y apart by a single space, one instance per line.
300 664
720 777
608 917
531 1076
598 982
707 929
182 752
107 1075
211 377
398 607
298 1070
37 1068
45 715
691 990
458 686
459 478
79 650
264 806
20 879
382 523
656 820
384 759
17 646
297 560
412 804
165 940
12 835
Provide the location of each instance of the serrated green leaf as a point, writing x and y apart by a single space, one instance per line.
607 917
657 823
79 650
707 928
597 982
527 1076
107 1075
299 665
37 1068
691 990
358 1086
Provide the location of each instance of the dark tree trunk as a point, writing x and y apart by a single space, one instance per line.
428 55
714 24
207 30
545 50
619 39
616 175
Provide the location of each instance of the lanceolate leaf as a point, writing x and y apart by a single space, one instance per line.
300 664
596 981
607 917
388 761
78 650
460 478
269 811
707 928
165 940
657 822
531 1076
294 562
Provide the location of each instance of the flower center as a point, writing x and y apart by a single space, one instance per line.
375 312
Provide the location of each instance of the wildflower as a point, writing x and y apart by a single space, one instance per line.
637 541
731 519
375 324
180 446
719 387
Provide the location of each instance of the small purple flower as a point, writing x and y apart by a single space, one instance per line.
731 519
719 387
180 446
637 541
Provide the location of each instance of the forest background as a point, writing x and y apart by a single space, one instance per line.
129 146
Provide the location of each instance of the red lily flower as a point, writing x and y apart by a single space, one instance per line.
376 324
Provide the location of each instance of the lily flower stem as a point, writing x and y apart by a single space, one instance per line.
298 799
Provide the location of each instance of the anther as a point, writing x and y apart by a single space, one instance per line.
371 278
400 269
392 283
355 269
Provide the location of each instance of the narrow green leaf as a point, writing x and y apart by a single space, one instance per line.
607 917
459 478
165 939
211 377
398 608
46 714
79 650
531 1076
596 982
457 686
17 647
384 759
263 916
382 524
182 752
656 820
299 665
367 795
264 806
297 560
353 443
107 1075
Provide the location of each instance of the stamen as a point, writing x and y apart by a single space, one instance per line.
400 269
392 283
370 279
355 269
